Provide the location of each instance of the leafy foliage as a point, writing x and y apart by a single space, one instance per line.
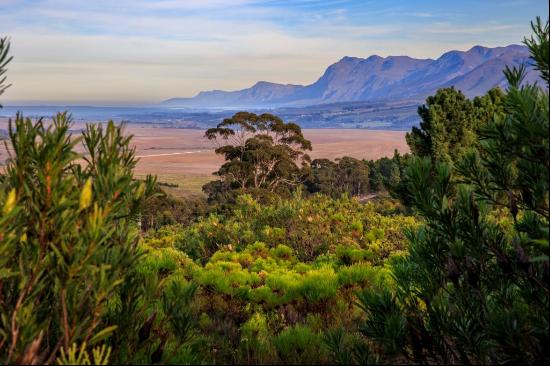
474 288
68 249
262 298
5 58
311 227
450 123
346 175
263 153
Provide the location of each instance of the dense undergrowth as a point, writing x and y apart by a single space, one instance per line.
276 281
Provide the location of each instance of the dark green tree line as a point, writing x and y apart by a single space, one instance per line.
334 178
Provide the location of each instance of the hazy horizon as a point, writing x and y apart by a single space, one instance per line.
142 52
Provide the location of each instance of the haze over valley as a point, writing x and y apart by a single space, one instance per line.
392 78
374 92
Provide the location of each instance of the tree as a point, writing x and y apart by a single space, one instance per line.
450 122
387 173
323 177
539 48
346 175
487 107
353 176
69 245
165 209
5 58
261 152
474 288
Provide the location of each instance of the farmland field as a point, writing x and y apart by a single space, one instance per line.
185 158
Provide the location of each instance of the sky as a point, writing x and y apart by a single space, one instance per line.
135 52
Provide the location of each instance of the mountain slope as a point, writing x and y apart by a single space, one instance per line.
377 78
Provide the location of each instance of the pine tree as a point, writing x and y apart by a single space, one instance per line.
450 123
474 288
5 58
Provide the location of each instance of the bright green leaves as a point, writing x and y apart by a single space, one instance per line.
274 278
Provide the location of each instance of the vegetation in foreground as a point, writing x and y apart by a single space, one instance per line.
283 266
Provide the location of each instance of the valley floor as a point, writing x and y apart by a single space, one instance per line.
184 157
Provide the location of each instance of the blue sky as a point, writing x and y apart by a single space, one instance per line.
138 51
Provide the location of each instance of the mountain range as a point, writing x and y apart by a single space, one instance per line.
377 78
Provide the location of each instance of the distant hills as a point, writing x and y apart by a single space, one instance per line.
376 78
374 92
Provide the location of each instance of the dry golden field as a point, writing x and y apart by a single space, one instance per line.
184 157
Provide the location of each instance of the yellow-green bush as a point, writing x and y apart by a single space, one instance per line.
274 278
299 345
311 227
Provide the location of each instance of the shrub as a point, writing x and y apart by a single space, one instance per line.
256 339
299 345
67 237
356 274
310 227
319 285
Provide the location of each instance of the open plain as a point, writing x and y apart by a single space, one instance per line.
184 157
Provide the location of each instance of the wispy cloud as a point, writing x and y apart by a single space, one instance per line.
449 28
422 15
140 50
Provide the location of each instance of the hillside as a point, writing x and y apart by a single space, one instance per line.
377 78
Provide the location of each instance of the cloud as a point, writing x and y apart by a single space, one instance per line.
422 15
151 50
449 28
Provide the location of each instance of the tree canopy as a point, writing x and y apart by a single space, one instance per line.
450 123
333 178
261 152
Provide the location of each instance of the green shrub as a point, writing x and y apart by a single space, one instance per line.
310 227
357 274
270 268
319 285
349 255
256 339
73 276
299 345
